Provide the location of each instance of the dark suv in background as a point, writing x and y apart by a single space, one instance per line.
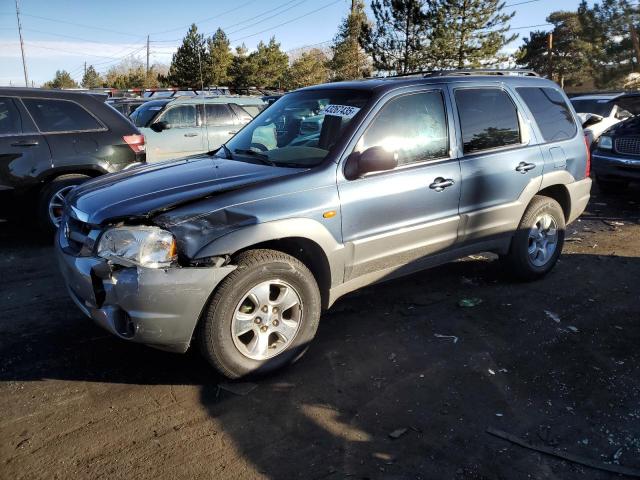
52 140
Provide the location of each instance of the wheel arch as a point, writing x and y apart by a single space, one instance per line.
560 194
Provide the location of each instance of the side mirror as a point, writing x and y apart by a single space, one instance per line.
373 159
160 126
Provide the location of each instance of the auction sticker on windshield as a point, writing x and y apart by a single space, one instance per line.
344 111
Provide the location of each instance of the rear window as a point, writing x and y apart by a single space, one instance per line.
550 111
488 119
60 115
10 121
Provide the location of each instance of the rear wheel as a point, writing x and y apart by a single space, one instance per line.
262 316
52 198
538 243
611 187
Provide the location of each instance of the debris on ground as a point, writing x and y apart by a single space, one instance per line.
632 472
398 433
573 239
552 315
469 302
452 337
240 388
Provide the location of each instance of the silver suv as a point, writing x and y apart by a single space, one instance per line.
329 189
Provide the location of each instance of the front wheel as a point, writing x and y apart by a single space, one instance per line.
538 243
262 316
52 200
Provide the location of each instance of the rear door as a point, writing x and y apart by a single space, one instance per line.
24 153
185 135
393 218
498 159
221 124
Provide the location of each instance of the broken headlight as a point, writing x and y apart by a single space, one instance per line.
144 246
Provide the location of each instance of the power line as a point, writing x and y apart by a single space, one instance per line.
520 3
92 27
266 18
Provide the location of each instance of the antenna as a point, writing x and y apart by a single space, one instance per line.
24 64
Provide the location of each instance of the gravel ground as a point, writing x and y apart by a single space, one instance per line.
555 362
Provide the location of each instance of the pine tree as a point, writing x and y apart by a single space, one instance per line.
269 64
397 41
242 71
91 78
349 60
188 63
309 69
219 59
468 33
62 79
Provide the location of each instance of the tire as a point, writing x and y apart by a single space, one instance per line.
238 355
526 259
57 185
611 187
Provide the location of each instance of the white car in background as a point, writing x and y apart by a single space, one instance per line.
599 112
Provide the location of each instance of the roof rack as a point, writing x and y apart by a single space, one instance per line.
468 71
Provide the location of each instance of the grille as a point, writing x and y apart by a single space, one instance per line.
76 233
628 145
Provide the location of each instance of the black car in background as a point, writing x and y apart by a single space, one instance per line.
52 140
616 157
126 106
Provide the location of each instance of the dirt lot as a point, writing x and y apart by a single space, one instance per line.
554 362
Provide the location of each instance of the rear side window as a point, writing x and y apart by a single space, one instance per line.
10 121
60 115
413 126
219 114
180 116
488 119
550 111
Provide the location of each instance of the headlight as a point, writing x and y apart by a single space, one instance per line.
605 142
145 246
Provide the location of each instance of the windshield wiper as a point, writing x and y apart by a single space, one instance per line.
252 153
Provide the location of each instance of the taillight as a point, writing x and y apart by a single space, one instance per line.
587 172
136 142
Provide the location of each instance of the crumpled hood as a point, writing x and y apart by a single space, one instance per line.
630 126
146 190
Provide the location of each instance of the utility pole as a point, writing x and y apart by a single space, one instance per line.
550 54
85 68
146 78
634 39
24 63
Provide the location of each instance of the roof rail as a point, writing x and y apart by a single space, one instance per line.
469 71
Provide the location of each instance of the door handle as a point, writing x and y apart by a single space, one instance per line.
32 143
232 133
440 184
190 134
524 167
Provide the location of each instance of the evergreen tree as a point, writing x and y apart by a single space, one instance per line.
468 33
62 79
349 60
242 71
188 63
219 59
397 41
269 64
309 69
91 78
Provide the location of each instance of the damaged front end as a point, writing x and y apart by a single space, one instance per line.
131 281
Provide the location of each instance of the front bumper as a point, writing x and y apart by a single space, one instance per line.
157 307
612 165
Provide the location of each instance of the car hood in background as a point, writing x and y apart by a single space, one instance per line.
630 126
142 191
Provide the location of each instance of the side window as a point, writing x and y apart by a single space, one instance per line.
10 121
218 114
550 111
242 112
488 119
413 126
180 116
60 115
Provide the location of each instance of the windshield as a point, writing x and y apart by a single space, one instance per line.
142 116
599 107
298 130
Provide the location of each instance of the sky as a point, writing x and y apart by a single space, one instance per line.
63 34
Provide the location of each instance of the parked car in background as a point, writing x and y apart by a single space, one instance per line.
242 248
53 140
599 112
616 156
177 128
126 106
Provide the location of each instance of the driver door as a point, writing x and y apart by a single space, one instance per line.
397 217
184 137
